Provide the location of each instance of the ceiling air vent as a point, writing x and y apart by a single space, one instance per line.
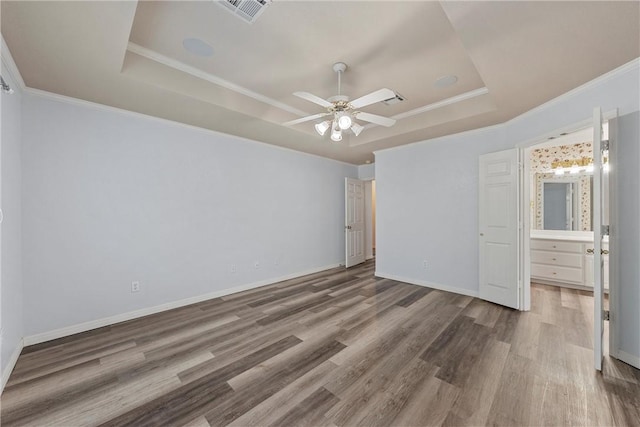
396 99
248 10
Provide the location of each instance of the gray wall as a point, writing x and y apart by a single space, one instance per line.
628 235
426 209
11 292
427 193
110 198
366 172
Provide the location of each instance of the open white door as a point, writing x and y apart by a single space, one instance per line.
354 221
498 226
600 229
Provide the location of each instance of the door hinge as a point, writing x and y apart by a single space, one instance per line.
605 230
606 315
605 145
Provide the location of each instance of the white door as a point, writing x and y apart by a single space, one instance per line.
498 227
598 249
354 221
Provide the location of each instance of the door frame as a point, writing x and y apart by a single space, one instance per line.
524 149
369 223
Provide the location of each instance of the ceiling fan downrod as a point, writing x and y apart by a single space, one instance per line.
339 67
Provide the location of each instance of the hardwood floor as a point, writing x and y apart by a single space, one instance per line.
336 348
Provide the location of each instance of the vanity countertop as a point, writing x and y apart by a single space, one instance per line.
571 236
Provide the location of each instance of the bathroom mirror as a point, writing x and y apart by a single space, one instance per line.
563 202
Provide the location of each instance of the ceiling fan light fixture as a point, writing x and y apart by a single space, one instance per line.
322 128
344 111
356 129
344 120
336 133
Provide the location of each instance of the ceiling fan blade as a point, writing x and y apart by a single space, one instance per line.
373 97
312 98
305 119
374 118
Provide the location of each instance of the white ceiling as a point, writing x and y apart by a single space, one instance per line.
508 56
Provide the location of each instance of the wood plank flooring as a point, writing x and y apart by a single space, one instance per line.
335 348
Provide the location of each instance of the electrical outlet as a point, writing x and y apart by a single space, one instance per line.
424 264
256 265
233 269
135 286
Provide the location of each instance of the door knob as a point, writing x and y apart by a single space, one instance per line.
604 252
589 251
347 227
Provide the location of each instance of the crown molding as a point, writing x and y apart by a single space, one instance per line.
107 108
602 79
443 103
177 65
8 62
489 128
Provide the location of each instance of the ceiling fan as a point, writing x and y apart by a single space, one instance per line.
344 111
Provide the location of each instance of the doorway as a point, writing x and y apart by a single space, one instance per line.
564 204
559 179
360 233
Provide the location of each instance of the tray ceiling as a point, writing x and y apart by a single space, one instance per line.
508 58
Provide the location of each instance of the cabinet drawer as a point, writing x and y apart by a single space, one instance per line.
556 246
562 259
559 274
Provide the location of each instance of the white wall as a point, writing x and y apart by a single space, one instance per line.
11 292
110 198
427 193
628 237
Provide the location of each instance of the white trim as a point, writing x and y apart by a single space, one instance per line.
102 107
123 317
542 140
614 288
12 364
177 65
445 137
454 99
432 285
7 60
628 358
629 66
434 106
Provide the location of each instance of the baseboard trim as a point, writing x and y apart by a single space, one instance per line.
6 373
432 285
111 320
627 358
